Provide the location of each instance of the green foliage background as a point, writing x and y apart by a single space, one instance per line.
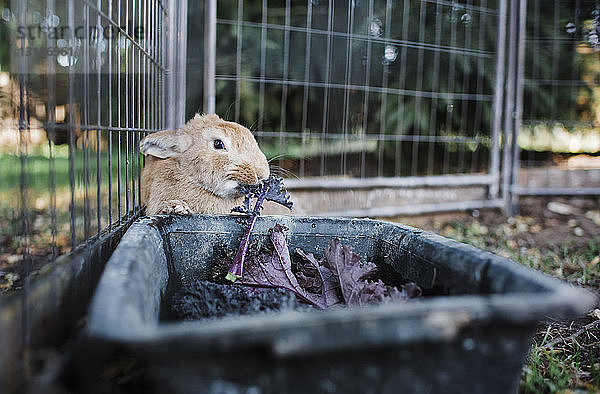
560 69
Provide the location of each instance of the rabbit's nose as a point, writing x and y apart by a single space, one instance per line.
246 174
263 173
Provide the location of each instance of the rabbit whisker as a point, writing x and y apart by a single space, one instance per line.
251 127
283 172
276 157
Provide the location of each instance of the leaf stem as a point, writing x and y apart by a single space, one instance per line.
236 272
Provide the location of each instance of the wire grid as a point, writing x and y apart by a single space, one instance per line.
560 113
370 88
74 173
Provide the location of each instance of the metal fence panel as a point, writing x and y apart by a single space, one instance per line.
362 74
559 137
370 89
81 83
376 89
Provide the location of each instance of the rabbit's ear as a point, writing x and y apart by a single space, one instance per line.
208 118
166 143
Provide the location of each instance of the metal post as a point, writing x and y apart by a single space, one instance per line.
514 196
210 54
182 13
176 52
498 99
170 44
509 108
24 128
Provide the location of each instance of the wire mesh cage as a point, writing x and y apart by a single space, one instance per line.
342 95
81 84
71 145
377 88
361 89
372 96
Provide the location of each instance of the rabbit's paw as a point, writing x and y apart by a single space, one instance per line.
177 207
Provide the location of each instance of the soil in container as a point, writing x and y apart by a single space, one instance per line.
275 280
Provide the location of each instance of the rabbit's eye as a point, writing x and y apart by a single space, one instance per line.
218 144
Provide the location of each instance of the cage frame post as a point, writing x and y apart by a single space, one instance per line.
498 101
210 56
518 116
176 63
513 105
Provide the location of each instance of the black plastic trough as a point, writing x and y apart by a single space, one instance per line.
473 337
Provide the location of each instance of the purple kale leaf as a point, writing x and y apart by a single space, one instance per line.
271 189
314 271
340 278
345 279
372 292
348 268
308 275
354 277
274 269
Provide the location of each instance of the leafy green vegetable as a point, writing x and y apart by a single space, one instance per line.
271 189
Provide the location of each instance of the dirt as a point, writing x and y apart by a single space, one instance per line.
540 223
22 256
557 227
206 300
15 266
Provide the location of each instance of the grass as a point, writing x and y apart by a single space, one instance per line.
36 177
566 260
565 356
549 371
26 213
37 168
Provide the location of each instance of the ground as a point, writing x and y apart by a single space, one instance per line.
560 237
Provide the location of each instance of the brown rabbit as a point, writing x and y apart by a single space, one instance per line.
199 168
